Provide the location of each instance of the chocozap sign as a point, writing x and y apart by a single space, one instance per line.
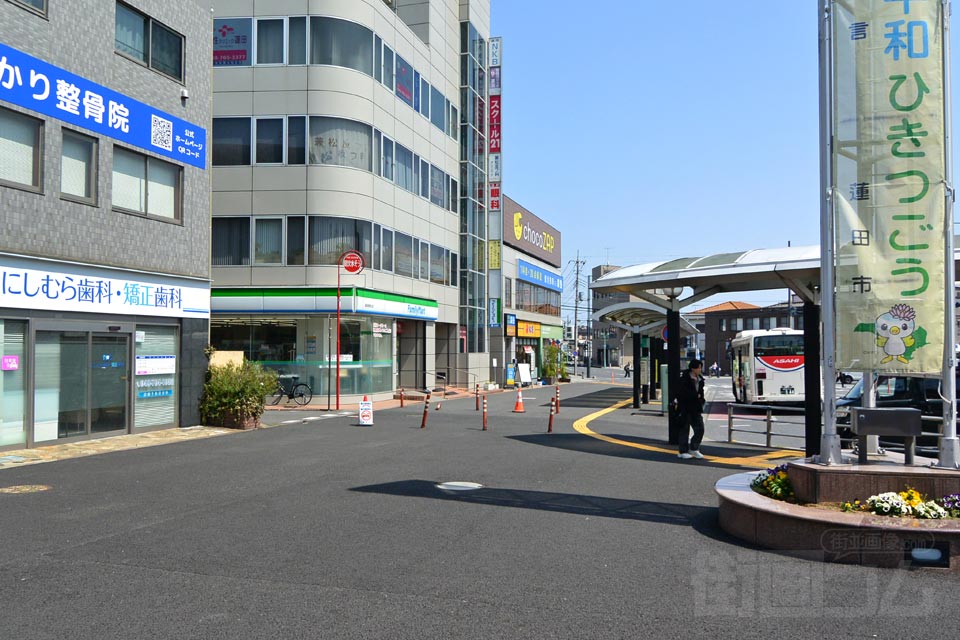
526 232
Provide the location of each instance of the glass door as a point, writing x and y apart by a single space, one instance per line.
109 382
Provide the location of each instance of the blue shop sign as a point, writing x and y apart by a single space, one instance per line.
33 84
531 273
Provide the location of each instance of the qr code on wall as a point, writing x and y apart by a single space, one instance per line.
161 133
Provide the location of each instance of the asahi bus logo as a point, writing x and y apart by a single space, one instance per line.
782 363
525 232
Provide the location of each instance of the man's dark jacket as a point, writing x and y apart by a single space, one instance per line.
690 394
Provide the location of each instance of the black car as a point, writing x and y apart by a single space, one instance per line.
898 392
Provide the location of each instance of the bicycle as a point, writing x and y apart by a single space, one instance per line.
299 392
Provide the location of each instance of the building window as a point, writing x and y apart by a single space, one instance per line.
341 43
438 109
268 241
231 141
404 81
296 240
231 242
387 252
438 268
21 140
269 140
145 185
39 5
388 67
142 38
330 237
270 41
296 140
723 324
340 142
507 293
403 255
297 41
78 167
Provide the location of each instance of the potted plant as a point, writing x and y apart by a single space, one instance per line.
234 395
551 363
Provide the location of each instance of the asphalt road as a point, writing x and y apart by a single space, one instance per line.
325 529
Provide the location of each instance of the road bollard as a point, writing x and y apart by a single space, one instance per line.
439 402
478 397
401 397
557 399
553 403
484 414
426 412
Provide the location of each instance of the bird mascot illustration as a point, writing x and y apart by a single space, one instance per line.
894 332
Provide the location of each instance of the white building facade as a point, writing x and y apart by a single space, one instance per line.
351 126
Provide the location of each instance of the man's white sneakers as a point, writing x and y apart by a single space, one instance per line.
696 454
685 456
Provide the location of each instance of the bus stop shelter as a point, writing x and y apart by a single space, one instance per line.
671 285
642 320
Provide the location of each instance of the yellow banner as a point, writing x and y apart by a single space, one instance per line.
888 184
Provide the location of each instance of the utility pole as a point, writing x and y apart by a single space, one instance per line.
576 313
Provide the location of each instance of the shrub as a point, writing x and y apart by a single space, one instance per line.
951 504
235 393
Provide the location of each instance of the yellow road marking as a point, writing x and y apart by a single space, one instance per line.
761 461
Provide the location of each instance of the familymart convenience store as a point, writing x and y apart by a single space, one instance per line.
385 340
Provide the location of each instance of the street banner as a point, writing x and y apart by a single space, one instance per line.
888 188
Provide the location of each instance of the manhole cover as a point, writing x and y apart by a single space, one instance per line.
459 486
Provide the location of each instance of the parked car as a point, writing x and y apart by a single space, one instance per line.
898 392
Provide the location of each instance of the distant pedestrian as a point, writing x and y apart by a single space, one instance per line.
626 370
715 370
689 404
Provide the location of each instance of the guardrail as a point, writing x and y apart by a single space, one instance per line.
768 419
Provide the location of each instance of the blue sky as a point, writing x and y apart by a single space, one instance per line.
646 130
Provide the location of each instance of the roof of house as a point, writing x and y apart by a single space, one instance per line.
729 306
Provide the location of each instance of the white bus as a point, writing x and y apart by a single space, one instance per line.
768 366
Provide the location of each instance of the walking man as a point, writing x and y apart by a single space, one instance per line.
690 403
626 370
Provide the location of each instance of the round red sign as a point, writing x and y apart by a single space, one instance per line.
352 262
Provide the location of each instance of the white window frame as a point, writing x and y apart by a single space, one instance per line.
285 45
283 141
254 261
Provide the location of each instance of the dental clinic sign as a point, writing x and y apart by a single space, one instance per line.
101 291
33 84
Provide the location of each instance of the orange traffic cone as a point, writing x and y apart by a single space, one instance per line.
518 408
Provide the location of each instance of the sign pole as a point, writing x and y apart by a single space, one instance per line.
353 262
339 262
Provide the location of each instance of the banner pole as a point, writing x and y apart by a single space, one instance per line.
829 440
949 444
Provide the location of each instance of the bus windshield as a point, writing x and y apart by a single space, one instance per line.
778 346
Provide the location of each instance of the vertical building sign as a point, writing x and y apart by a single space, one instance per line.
888 184
494 175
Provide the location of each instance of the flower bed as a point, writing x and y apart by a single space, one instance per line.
775 483
908 504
